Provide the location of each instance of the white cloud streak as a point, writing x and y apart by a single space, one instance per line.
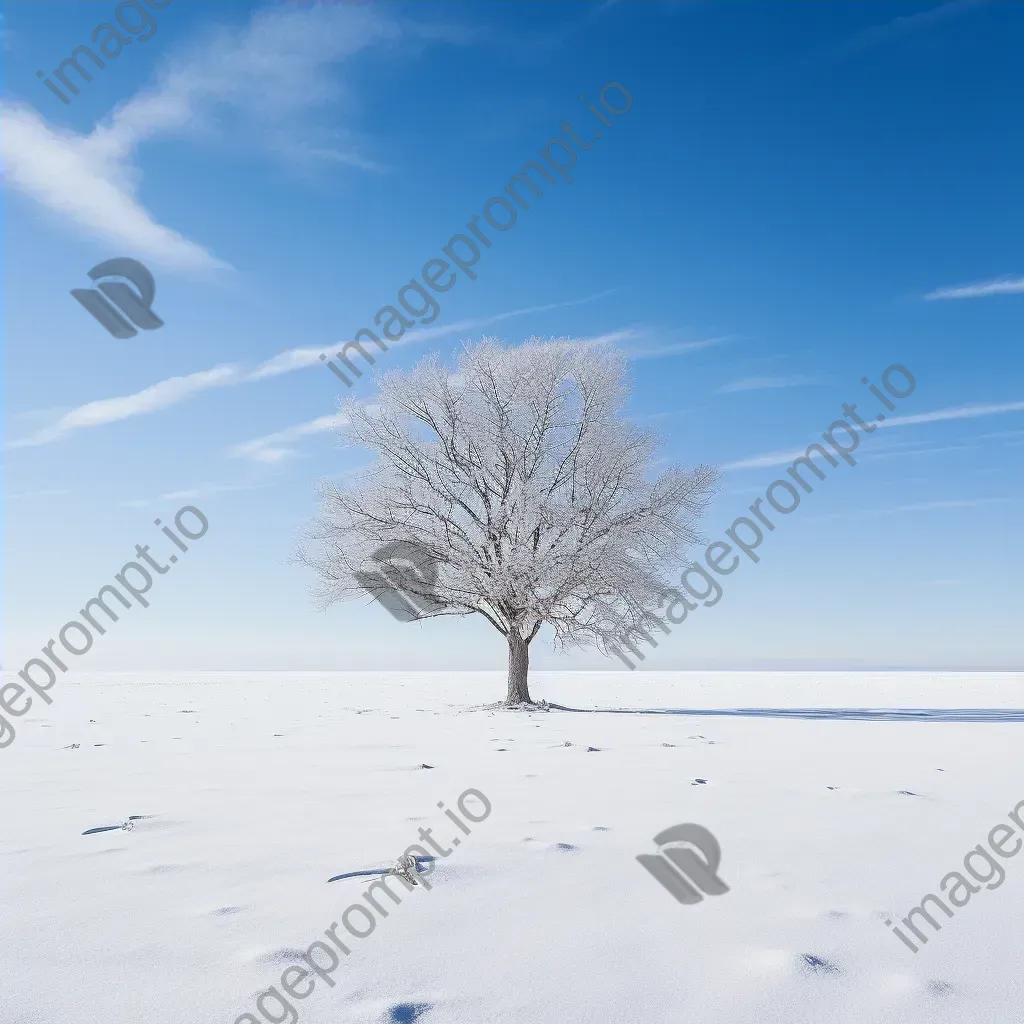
109 410
300 358
674 349
261 83
921 506
49 493
1000 286
178 389
959 412
70 177
764 383
275 447
469 326
908 24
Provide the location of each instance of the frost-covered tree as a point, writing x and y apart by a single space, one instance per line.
515 489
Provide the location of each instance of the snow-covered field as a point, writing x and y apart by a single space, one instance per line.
260 788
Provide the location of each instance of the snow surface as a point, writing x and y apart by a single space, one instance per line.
259 788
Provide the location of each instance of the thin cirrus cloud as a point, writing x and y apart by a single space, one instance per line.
960 412
908 24
634 343
277 446
1000 286
262 81
194 493
920 506
299 358
674 348
170 392
765 383
157 396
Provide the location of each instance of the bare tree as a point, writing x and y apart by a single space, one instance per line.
518 483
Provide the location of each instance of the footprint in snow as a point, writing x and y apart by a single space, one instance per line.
566 846
277 957
816 965
407 1013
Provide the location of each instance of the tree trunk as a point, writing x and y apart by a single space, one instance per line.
518 670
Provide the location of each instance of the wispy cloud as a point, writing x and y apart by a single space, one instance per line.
908 24
1000 286
921 506
776 458
674 348
959 412
287 362
207 490
470 326
69 176
935 450
630 341
764 383
193 493
1001 435
49 493
956 412
178 389
300 358
263 84
276 447
109 410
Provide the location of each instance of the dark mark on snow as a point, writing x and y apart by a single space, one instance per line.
373 872
407 1013
819 966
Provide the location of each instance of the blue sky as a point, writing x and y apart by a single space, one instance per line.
799 196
